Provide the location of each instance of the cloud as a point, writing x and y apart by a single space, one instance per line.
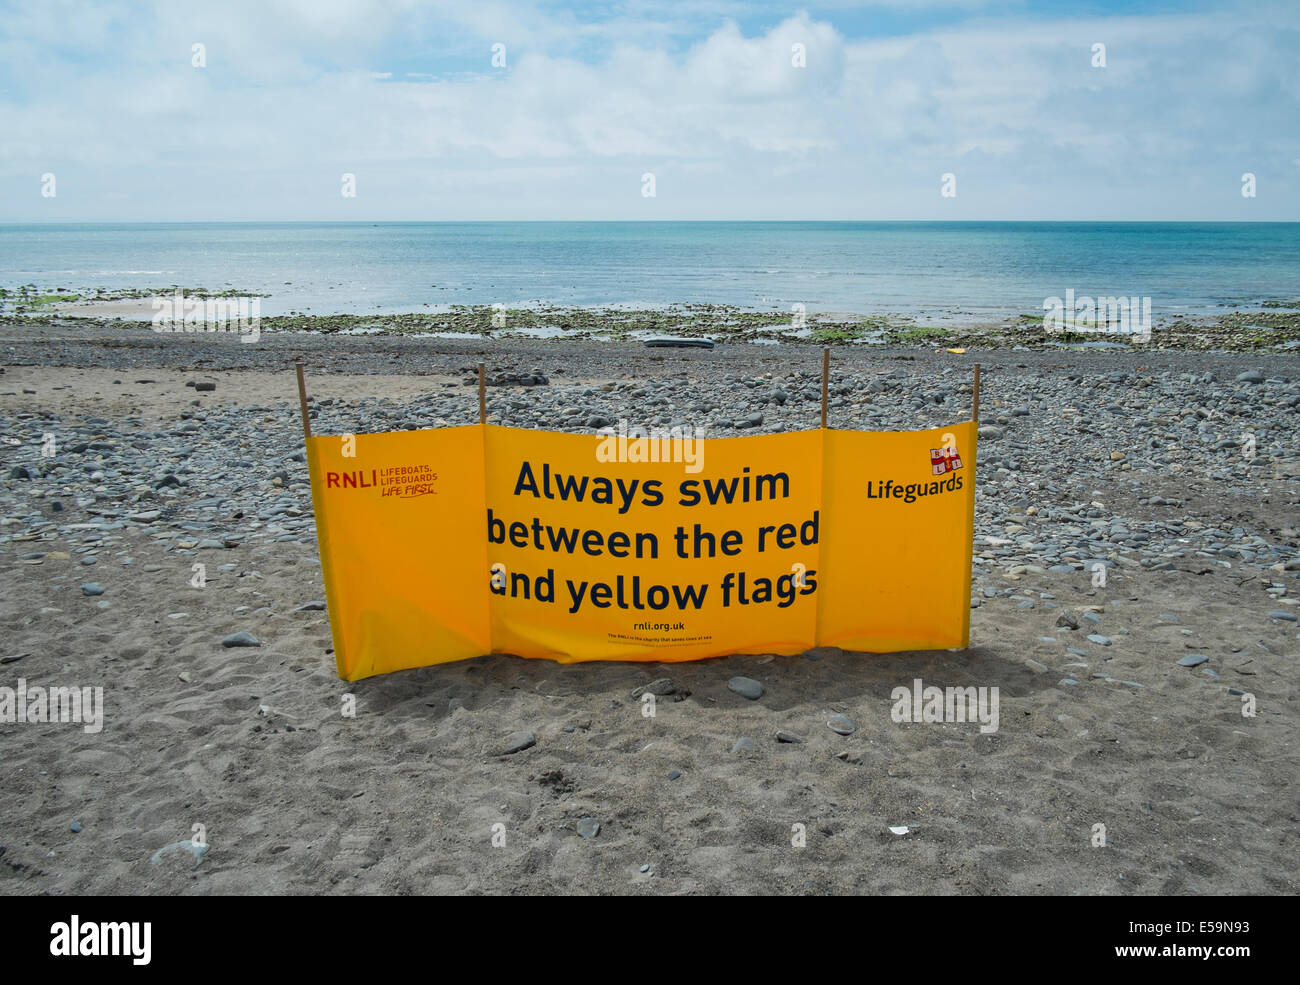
404 95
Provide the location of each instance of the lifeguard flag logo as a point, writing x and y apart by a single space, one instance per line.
944 460
534 543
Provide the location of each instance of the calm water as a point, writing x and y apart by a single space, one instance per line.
946 271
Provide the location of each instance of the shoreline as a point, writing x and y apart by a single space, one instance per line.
1273 329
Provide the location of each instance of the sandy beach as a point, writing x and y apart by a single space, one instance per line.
1133 458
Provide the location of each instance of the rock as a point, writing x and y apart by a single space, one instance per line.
659 688
1099 639
75 827
784 736
840 724
746 687
1283 615
20 472
242 638
517 742
92 588
671 341
588 827
1250 376
1193 660
1036 667
744 746
311 607
1067 620
207 387
196 849
645 869
676 774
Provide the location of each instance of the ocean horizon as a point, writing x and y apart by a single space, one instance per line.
951 271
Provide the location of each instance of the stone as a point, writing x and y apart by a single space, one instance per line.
242 638
746 687
744 746
517 742
784 736
1193 660
588 827
840 724
1099 639
92 588
659 688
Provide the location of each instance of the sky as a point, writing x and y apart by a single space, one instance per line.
487 110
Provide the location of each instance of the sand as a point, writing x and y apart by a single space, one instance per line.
294 797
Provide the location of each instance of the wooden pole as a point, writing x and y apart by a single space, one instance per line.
302 403
826 375
482 396
975 396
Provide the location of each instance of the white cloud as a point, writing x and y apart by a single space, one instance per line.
298 91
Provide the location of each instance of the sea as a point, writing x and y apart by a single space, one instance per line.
950 272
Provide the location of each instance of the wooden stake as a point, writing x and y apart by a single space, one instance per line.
482 396
302 403
975 396
826 375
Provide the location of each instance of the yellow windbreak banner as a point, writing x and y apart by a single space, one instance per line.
441 545
899 510
399 518
640 560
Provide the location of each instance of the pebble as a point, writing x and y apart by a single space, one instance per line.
841 725
659 688
92 588
784 736
746 687
311 607
1193 660
1099 639
242 638
75 827
517 742
588 827
1283 615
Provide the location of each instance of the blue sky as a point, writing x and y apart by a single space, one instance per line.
705 96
